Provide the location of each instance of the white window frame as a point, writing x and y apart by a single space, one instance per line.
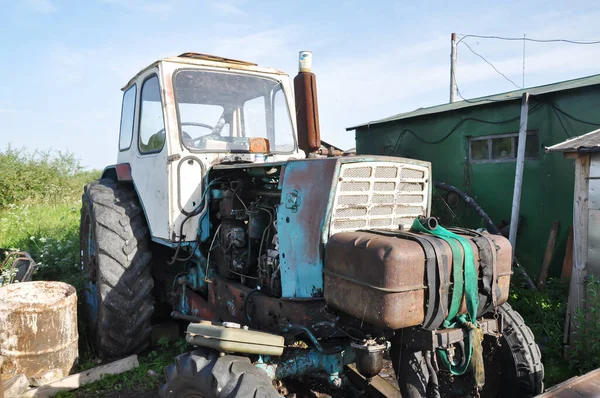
490 138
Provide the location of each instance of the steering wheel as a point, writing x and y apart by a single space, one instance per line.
213 134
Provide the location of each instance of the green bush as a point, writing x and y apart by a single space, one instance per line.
544 312
585 355
40 177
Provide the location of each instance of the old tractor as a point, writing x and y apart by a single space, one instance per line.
284 258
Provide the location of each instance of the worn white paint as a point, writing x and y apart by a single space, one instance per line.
381 195
169 181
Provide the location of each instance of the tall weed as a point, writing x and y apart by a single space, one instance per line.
40 177
585 355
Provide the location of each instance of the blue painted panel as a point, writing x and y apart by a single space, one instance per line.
302 217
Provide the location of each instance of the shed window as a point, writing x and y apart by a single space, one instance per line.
502 147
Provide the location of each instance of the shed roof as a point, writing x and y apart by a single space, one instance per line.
589 142
508 96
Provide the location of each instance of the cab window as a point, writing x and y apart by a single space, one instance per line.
127 115
152 126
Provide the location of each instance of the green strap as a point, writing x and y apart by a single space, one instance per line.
466 284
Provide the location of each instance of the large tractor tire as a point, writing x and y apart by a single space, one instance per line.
205 374
513 369
115 260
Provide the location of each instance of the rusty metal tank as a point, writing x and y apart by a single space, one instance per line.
38 327
382 278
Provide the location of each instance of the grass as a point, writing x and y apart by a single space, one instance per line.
146 377
544 312
41 215
50 233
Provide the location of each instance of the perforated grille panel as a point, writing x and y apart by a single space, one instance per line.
380 195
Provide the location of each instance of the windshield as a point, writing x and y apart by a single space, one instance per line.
221 111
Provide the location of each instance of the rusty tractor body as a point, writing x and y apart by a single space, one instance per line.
286 258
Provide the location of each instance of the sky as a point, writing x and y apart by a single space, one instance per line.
63 62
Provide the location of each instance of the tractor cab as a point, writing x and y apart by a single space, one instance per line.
182 115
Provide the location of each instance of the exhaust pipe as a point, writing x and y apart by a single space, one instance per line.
307 109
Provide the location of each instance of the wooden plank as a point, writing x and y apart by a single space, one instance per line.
587 385
580 243
77 380
548 255
567 268
13 385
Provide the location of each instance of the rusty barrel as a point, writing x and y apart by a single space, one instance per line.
38 327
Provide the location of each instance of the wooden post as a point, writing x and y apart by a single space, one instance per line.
580 245
567 268
516 203
548 255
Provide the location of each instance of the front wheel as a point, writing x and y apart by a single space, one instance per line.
115 260
513 369
205 374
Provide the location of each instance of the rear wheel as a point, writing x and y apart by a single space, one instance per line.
205 374
115 260
512 369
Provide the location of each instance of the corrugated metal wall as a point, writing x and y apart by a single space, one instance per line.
548 180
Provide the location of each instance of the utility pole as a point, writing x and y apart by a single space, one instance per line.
516 203
453 68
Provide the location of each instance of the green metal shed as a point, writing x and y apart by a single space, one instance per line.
472 145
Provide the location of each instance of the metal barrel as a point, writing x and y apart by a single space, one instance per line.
38 327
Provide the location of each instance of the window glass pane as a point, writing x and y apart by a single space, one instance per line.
127 114
255 121
479 150
502 148
248 107
284 135
201 122
532 146
152 126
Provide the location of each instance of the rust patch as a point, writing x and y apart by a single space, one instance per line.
266 313
259 145
39 327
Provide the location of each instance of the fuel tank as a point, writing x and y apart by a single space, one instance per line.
397 279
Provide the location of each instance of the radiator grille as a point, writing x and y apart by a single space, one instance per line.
381 195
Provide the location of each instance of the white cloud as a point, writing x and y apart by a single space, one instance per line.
41 6
228 9
252 47
156 6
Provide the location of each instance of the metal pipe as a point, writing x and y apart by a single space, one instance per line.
266 192
308 362
307 109
433 379
429 223
516 203
183 317
453 67
308 333
489 224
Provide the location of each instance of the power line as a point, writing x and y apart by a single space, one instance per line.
583 42
490 64
470 101
392 149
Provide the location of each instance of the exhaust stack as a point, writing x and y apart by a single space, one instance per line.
307 109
